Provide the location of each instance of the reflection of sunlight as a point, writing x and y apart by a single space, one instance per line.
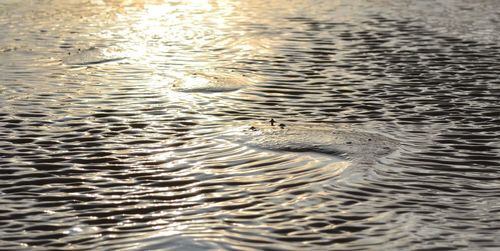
163 30
180 36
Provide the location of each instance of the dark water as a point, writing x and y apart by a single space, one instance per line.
100 152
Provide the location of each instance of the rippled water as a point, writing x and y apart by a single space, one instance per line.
101 149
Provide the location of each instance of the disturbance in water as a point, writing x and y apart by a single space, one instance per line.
344 143
210 82
92 56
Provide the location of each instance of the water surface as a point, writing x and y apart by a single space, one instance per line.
102 150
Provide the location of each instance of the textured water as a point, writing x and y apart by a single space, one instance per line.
105 144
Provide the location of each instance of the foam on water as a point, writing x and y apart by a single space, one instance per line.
92 55
209 82
341 143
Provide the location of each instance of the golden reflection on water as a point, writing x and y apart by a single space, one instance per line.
100 148
182 31
164 41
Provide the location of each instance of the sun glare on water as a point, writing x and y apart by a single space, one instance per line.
178 32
